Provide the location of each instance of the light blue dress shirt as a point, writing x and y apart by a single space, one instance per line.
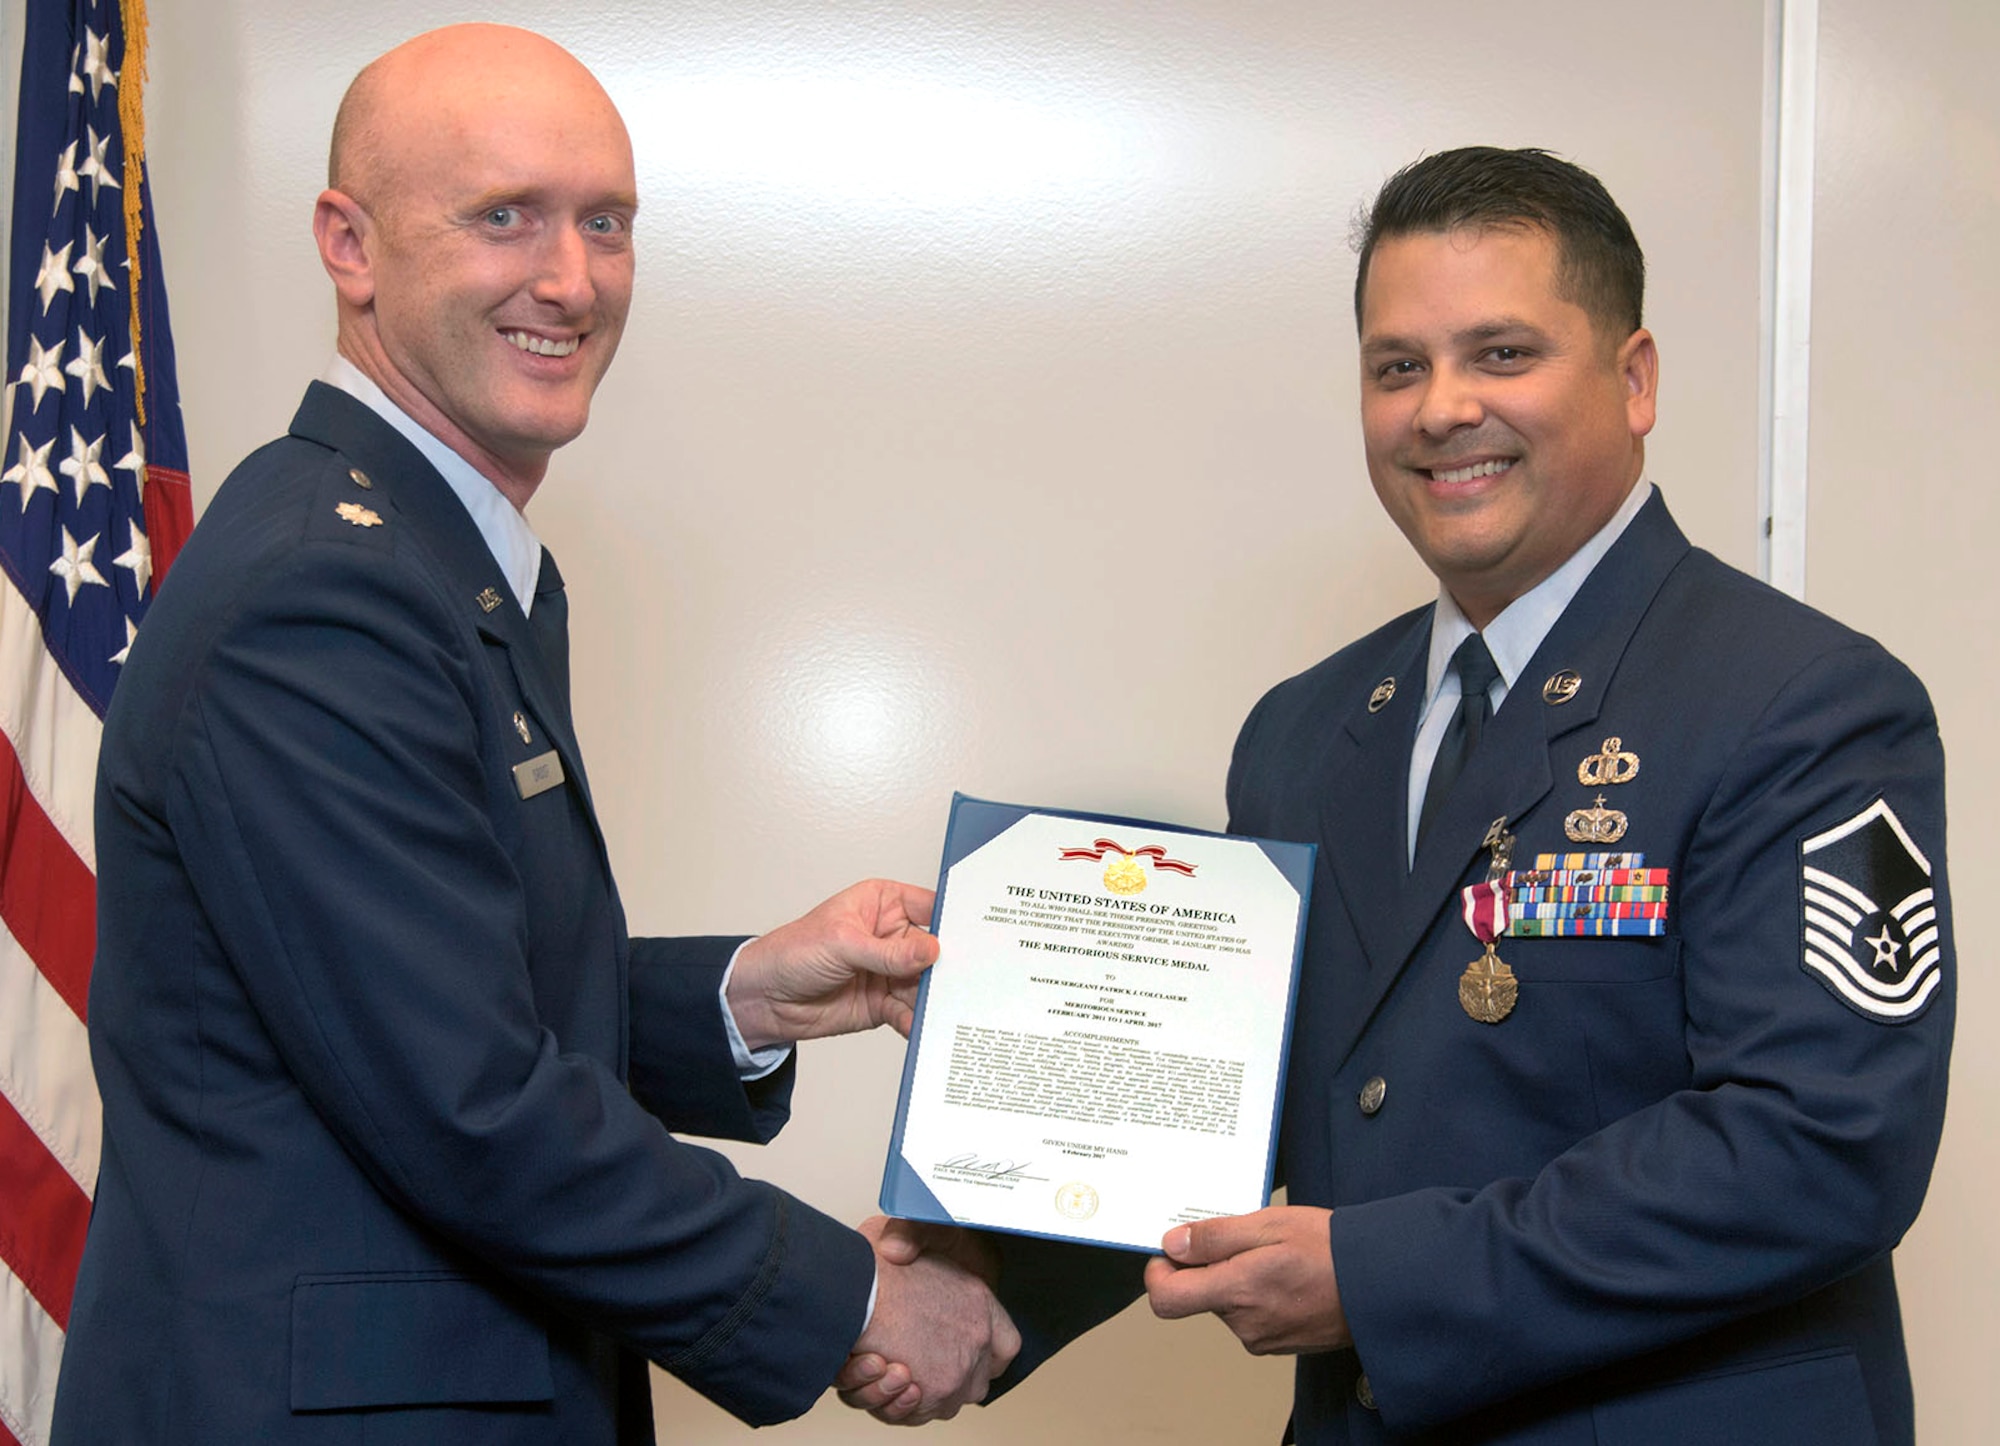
1512 638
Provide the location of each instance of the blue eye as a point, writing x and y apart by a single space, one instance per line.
502 216
604 225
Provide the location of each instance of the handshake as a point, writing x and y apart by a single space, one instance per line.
937 1336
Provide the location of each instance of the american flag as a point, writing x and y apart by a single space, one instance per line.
94 503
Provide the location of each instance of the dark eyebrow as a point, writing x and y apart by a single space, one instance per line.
1498 327
1378 345
1472 336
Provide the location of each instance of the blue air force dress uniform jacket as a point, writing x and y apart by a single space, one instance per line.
387 1089
1655 1203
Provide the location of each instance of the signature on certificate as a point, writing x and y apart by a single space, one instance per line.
971 1168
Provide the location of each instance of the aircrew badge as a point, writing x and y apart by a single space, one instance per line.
360 516
1870 916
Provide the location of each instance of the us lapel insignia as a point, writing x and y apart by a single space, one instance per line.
360 479
1608 766
1561 687
521 727
1595 825
1384 691
488 600
360 516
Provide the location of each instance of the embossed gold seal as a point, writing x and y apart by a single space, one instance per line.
1125 875
1598 825
1076 1200
357 514
1487 989
1561 687
1608 766
488 599
1384 691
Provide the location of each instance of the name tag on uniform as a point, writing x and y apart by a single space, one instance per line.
538 775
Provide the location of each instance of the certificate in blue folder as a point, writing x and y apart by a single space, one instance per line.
1099 1052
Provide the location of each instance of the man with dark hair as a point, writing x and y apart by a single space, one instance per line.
1478 188
1620 1056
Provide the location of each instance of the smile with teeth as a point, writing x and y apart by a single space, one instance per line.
542 345
1476 470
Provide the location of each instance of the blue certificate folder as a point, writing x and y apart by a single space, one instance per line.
977 822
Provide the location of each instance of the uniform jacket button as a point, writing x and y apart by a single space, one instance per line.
1363 1392
1372 1094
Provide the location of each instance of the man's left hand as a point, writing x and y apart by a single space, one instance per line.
1268 1275
850 964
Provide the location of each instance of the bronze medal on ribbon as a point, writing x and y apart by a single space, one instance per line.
1487 990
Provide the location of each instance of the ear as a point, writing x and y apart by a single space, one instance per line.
342 230
1639 370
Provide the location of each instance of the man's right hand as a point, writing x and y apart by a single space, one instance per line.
935 1342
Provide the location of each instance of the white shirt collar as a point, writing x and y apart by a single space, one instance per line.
506 532
1517 632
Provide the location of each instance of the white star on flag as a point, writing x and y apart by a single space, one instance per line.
75 568
88 365
54 275
42 372
65 174
32 470
82 464
90 266
134 462
96 67
94 166
139 559
131 632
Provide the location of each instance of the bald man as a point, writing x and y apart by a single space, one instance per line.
387 1089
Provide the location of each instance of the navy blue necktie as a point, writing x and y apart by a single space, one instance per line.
550 622
1476 673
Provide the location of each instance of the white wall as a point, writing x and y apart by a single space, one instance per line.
1900 542
987 422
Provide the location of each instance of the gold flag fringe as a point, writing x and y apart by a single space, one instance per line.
132 121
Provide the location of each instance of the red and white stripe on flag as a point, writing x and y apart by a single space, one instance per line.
94 503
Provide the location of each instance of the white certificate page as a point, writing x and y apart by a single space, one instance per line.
1103 1037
